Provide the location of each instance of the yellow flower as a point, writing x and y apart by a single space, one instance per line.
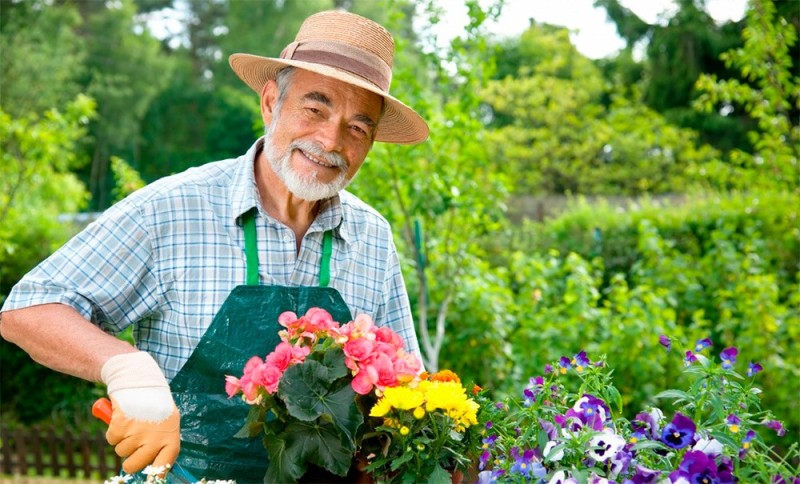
400 398
451 398
419 412
404 430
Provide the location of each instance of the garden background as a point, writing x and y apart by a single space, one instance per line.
676 176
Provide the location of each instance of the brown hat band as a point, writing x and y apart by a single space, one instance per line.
342 56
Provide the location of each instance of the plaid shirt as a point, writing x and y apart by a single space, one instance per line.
165 259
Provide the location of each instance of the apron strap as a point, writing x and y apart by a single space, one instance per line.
325 264
251 251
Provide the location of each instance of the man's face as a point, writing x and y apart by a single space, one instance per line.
318 139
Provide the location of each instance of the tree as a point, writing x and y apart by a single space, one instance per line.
769 94
125 70
38 155
444 197
561 128
42 57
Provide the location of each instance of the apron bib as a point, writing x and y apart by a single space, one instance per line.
245 326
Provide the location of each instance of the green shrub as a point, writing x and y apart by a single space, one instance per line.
724 268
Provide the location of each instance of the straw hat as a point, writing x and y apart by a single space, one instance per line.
349 48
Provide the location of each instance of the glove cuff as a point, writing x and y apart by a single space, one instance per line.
132 370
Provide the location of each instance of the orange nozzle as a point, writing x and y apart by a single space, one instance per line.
102 409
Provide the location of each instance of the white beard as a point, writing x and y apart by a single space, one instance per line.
305 187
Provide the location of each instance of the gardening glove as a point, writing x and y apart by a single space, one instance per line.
145 423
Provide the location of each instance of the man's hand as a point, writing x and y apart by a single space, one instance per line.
145 423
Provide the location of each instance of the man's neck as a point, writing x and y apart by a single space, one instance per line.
280 203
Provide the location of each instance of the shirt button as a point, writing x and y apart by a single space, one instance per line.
286 238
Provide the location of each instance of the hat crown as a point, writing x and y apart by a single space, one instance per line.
350 29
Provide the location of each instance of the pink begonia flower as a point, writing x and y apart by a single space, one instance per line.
286 355
385 334
267 376
358 350
232 385
287 318
361 327
319 320
406 366
385 371
362 384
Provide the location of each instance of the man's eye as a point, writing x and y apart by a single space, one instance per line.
358 129
314 111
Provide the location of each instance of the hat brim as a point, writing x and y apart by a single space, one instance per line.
399 124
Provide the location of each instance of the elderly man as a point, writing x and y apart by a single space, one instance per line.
201 264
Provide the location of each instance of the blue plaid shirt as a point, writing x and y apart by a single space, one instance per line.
165 259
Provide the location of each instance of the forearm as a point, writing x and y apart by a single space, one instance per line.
58 337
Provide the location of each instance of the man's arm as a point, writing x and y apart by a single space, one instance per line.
58 337
145 424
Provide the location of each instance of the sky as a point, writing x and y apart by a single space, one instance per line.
593 34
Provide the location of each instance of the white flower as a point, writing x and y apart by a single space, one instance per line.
557 456
605 445
118 480
711 447
560 477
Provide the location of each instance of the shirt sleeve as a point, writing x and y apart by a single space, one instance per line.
398 307
105 273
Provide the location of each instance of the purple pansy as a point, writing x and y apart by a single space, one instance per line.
728 356
484 459
581 361
678 433
488 477
649 423
664 341
702 344
644 475
528 397
753 368
689 359
564 364
523 463
696 467
776 426
733 422
746 443
548 368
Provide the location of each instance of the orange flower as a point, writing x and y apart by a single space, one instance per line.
476 389
445 375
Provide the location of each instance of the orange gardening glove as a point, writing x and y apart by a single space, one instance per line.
145 423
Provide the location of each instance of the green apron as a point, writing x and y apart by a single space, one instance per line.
245 326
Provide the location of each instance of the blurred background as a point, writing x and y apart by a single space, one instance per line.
586 186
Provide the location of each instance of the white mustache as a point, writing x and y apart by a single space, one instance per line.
315 149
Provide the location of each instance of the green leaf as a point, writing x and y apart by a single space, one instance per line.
439 476
303 442
674 394
405 457
649 444
309 394
725 439
334 362
282 465
253 424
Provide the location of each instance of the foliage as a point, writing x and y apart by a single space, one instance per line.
127 180
36 186
567 424
443 215
770 94
563 129
724 267
43 57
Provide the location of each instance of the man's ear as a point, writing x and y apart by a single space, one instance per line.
269 96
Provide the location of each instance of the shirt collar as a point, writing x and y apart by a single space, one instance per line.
244 197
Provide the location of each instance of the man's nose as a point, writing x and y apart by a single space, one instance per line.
331 135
